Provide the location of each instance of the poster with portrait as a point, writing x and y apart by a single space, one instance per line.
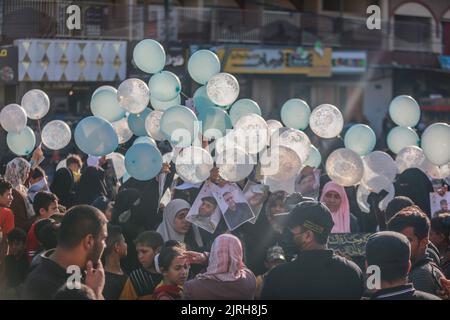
439 203
307 182
256 194
235 208
205 212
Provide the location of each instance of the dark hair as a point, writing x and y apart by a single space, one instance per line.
228 192
411 216
275 197
397 204
74 159
167 255
17 235
101 203
441 224
84 293
211 200
114 236
4 186
46 231
79 222
150 239
42 200
37 173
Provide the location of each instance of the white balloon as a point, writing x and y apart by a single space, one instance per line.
61 164
378 163
56 135
409 157
345 167
118 161
13 118
296 140
272 126
436 143
251 133
122 130
434 171
133 95
234 164
404 111
326 121
36 104
314 159
229 141
222 89
152 125
401 137
280 163
363 193
194 164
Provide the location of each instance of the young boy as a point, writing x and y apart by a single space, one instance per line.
16 264
142 282
45 205
6 216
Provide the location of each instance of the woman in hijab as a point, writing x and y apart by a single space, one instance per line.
414 184
175 226
226 278
17 171
335 198
92 185
63 186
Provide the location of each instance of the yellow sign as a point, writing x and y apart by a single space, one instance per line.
310 62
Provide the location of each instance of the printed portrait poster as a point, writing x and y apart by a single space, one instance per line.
439 203
256 194
307 182
235 208
205 212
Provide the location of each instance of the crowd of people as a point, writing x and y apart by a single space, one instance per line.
129 246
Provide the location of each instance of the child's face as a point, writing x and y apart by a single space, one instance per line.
6 198
181 225
16 248
146 255
178 271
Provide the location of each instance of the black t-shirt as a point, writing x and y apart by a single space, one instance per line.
405 292
45 280
113 285
318 274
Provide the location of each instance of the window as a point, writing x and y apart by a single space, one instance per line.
412 29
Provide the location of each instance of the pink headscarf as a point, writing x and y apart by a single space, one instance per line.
225 260
341 217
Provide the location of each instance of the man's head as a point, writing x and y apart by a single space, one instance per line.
415 225
258 195
115 242
74 163
208 206
229 199
390 251
37 176
83 230
6 196
444 205
148 244
16 242
440 231
310 223
45 204
397 204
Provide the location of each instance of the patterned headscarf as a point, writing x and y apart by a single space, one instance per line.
17 171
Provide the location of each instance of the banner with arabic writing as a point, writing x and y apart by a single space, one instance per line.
348 244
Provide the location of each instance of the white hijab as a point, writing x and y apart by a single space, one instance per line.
167 228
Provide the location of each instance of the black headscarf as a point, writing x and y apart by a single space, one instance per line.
92 185
414 184
63 186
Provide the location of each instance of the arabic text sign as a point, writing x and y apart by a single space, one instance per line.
349 244
279 61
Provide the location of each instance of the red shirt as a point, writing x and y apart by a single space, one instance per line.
32 242
6 221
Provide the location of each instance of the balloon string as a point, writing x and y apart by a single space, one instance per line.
39 129
185 96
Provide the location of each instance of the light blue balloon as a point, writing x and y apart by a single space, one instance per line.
314 159
243 107
104 104
215 118
360 138
401 137
202 65
164 105
295 114
145 140
149 56
21 143
404 111
136 122
201 100
95 136
179 125
164 86
143 161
